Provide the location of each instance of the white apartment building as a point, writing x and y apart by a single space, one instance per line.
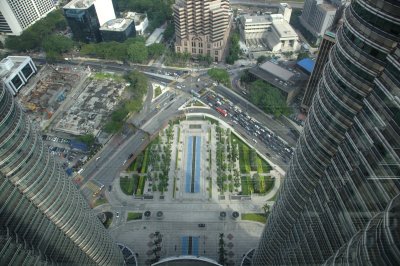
15 72
17 15
272 30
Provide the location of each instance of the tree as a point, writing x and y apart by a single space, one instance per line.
137 52
234 49
220 75
169 32
268 98
57 43
88 139
262 59
156 50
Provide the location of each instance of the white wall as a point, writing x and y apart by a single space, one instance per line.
10 18
105 10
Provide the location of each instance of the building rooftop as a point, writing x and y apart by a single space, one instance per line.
118 24
307 64
10 64
257 19
283 28
79 4
277 71
327 7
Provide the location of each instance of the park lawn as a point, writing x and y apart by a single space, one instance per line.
265 165
126 184
140 188
174 190
210 188
244 160
260 168
269 183
256 217
176 159
134 216
104 75
262 184
145 161
245 182
100 201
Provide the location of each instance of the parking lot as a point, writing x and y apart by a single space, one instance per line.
252 127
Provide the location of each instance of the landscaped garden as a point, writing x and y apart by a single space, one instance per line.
256 217
151 166
134 216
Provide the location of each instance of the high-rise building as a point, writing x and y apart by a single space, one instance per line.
85 17
43 216
339 200
202 27
323 54
16 15
320 15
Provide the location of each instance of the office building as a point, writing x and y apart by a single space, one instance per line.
286 10
339 202
202 27
323 54
319 15
16 15
15 71
44 218
85 17
118 30
140 19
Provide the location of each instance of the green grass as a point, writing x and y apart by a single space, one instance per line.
103 75
145 161
269 183
157 92
210 188
140 188
134 216
174 190
176 159
256 217
100 201
260 168
179 135
126 184
245 182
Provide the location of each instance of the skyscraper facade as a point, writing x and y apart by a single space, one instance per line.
339 199
16 15
202 27
319 15
323 54
43 216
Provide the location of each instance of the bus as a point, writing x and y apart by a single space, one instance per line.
222 111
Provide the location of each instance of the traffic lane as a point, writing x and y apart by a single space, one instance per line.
112 159
253 128
245 134
273 125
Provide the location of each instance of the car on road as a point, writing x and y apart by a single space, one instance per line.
130 156
117 214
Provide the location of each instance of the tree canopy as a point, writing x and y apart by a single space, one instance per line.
234 49
158 11
136 91
220 75
268 98
33 37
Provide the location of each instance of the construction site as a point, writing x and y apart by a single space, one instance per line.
46 92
